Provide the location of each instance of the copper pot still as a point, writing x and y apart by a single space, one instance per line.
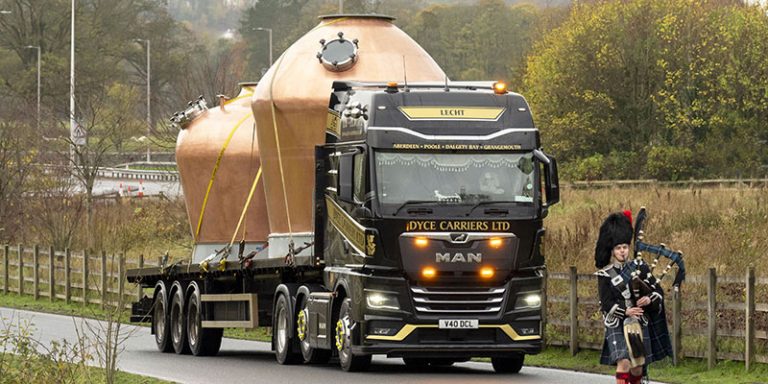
291 102
217 156
295 92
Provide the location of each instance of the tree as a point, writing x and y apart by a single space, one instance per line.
107 119
627 77
485 41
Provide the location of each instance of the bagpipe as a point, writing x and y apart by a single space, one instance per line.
642 287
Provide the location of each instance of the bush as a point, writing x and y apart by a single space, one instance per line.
588 168
670 163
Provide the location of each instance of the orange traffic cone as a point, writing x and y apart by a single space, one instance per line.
141 189
120 191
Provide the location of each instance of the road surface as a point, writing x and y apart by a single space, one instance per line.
241 360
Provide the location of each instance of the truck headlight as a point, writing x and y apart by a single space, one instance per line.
528 300
382 300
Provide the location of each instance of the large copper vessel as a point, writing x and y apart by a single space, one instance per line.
222 138
291 102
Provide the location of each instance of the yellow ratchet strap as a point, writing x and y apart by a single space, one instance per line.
245 208
239 97
215 169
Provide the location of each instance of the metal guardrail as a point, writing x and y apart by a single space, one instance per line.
138 174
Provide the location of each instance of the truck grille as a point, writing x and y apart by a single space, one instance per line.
463 301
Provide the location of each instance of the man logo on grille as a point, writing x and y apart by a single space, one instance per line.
458 257
459 237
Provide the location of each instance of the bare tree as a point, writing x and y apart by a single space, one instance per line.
107 119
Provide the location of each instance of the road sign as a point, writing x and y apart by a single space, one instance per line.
78 134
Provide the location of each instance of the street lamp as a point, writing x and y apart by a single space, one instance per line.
76 134
38 83
149 94
269 30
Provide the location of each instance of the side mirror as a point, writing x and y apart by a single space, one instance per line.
346 177
551 181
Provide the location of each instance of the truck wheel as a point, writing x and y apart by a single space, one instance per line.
202 341
348 360
311 355
283 342
511 364
178 325
160 323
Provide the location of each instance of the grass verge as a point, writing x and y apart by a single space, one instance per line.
15 371
690 370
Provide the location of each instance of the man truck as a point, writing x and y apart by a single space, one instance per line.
359 203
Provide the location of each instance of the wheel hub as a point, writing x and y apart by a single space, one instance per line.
342 333
301 325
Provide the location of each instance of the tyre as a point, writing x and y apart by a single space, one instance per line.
160 324
178 323
343 335
202 341
511 364
311 355
281 333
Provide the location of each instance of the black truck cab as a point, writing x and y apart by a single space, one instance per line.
430 200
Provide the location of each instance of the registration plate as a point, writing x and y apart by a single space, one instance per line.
458 324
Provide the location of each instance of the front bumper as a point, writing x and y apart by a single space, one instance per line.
427 340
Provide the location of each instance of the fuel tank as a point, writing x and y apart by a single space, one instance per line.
217 155
291 102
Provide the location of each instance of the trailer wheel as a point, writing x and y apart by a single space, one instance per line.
283 342
311 355
347 359
202 341
512 364
161 325
178 325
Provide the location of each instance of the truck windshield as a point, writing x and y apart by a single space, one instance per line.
454 178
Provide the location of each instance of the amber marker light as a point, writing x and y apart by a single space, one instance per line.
487 272
495 242
428 272
421 242
499 87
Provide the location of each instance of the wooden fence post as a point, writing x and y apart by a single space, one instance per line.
103 279
677 328
67 276
544 283
711 315
120 280
6 264
139 290
21 270
749 334
574 310
85 277
51 273
36 272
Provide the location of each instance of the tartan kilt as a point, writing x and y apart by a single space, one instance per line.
661 345
615 346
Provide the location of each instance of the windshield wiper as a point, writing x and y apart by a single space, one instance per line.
409 202
490 202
